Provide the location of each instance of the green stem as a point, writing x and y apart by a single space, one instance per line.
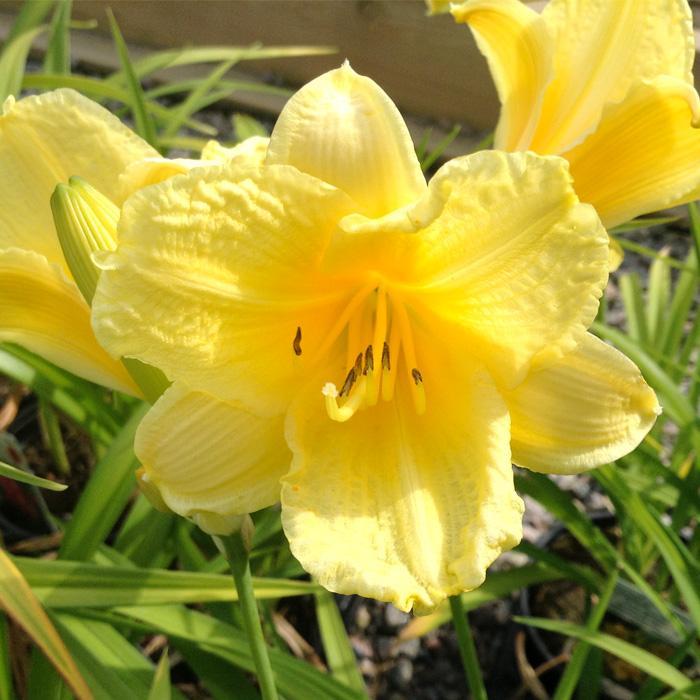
237 555
467 649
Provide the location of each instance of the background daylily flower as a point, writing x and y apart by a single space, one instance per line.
44 140
608 85
381 346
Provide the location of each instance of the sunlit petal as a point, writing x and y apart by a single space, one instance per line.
500 246
601 49
588 409
400 507
644 155
199 467
251 151
344 129
516 43
42 310
44 140
214 274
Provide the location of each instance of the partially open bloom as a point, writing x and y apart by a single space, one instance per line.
45 140
608 85
381 346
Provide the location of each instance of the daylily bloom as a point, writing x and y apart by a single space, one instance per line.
607 85
380 346
44 140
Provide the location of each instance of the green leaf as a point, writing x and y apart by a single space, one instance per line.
26 478
57 58
30 16
160 689
429 160
632 505
67 584
6 692
142 118
633 299
644 222
497 585
641 659
560 504
105 495
296 680
190 104
20 603
113 667
574 668
658 294
13 61
245 126
339 653
80 400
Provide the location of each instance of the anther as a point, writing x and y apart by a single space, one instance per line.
349 381
369 360
358 364
386 359
297 342
417 376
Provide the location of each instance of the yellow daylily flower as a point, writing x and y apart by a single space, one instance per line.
379 346
44 140
607 85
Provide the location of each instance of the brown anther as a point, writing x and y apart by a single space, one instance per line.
358 364
386 359
349 381
297 342
369 360
417 376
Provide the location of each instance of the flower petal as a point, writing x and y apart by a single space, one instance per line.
211 456
601 49
44 140
502 247
644 155
43 311
400 507
590 408
516 43
214 273
344 129
252 150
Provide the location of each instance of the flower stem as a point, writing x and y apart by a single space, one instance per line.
237 556
467 649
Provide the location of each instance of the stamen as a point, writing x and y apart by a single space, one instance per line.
386 358
348 410
358 364
349 381
378 339
369 361
342 321
389 373
410 355
297 342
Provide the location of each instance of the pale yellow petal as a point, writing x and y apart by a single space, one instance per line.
436 7
601 49
344 129
644 155
590 408
516 43
400 507
44 140
215 272
43 311
251 151
501 247
151 171
207 456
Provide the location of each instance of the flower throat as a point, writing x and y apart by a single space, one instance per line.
380 350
